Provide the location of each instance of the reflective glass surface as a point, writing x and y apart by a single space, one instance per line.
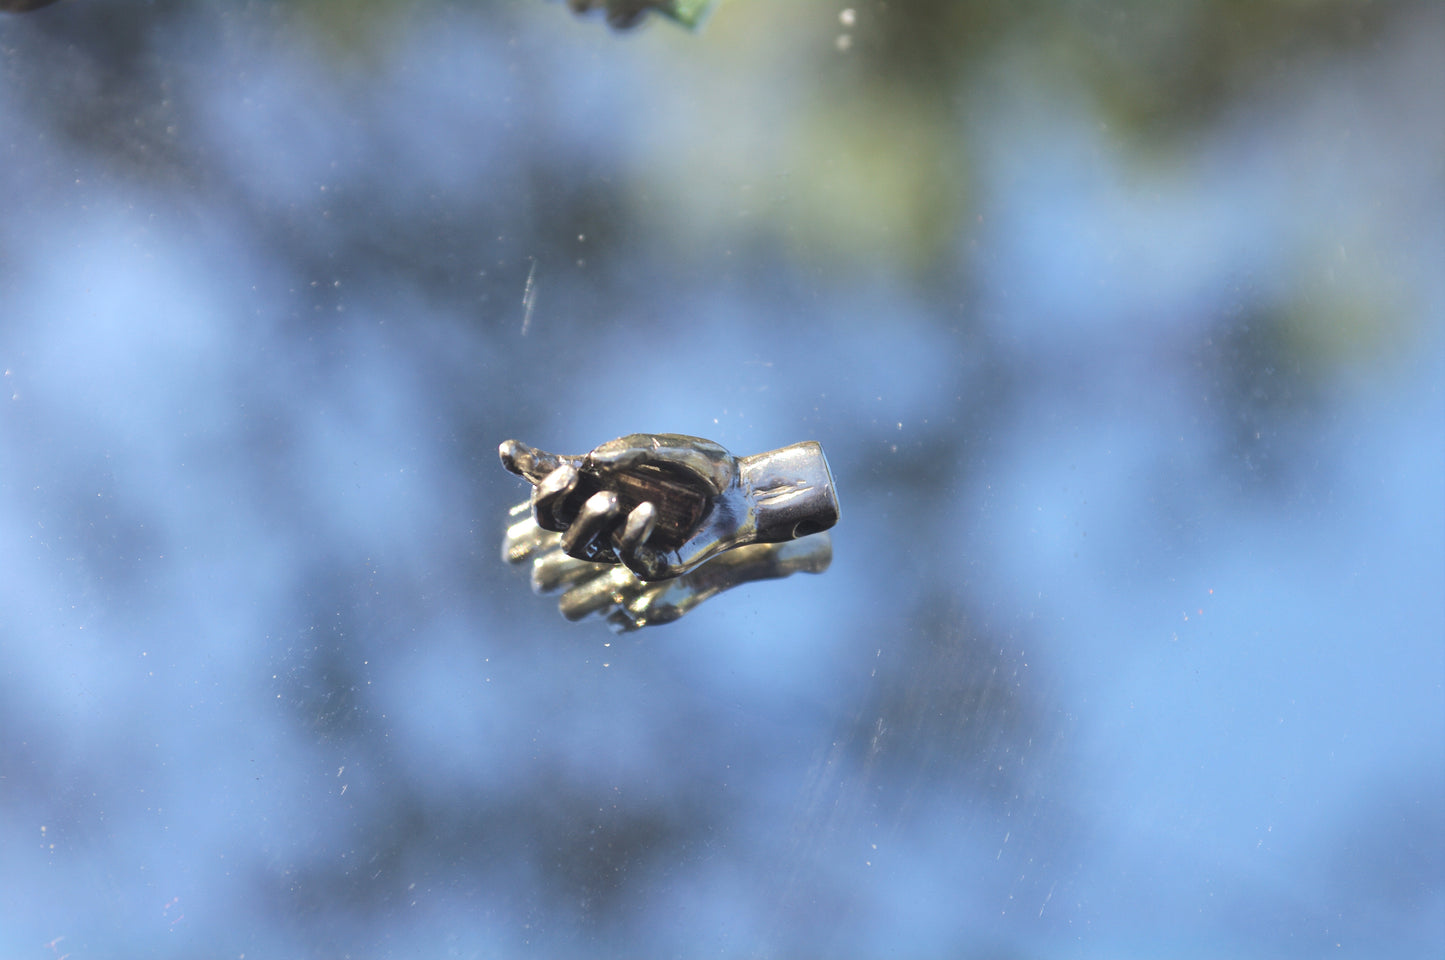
1122 325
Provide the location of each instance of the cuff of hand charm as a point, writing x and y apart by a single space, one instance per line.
664 504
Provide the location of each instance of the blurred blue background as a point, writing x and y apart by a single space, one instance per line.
1121 324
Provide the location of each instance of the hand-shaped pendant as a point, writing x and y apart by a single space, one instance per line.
663 504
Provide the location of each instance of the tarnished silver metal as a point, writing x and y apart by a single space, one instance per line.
629 603
663 504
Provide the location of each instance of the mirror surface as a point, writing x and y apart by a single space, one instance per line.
1120 323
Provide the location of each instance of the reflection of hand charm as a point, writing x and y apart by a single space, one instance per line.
662 504
629 603
622 14
20 6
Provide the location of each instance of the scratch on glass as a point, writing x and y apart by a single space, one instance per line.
529 297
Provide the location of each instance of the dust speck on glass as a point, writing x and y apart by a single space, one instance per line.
1122 325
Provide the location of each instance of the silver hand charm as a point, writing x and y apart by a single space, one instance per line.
663 504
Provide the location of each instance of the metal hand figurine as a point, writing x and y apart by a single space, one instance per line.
663 504
629 603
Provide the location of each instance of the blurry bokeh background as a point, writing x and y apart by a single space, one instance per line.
1122 323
